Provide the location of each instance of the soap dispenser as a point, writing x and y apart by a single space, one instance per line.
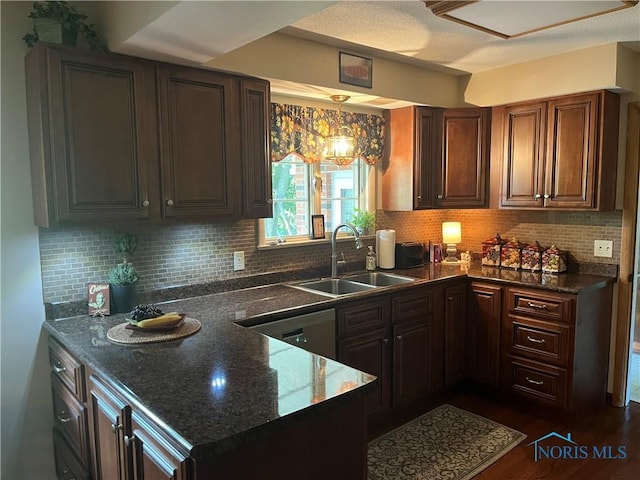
371 259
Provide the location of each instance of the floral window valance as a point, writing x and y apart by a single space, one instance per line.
302 132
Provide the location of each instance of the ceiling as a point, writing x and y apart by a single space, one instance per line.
405 31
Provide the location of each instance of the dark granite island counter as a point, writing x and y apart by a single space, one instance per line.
225 401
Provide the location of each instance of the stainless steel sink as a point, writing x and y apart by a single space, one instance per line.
333 287
380 279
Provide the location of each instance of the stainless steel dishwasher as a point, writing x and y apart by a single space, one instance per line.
315 332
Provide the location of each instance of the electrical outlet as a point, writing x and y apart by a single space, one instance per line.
603 248
238 261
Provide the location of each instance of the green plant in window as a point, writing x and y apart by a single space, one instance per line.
364 220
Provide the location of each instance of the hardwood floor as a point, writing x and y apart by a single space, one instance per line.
608 426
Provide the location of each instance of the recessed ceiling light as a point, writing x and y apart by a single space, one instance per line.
508 19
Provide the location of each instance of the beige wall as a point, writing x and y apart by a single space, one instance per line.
279 56
26 399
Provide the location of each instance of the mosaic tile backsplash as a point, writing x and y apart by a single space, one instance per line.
197 253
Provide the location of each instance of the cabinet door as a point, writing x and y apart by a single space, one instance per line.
426 151
92 135
370 353
524 128
256 160
484 333
455 328
200 142
462 160
411 361
571 152
111 423
155 457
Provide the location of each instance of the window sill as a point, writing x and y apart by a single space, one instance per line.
309 242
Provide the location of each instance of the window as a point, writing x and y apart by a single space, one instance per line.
305 184
301 190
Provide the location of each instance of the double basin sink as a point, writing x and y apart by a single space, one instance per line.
336 287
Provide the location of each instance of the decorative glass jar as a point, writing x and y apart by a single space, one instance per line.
491 250
554 260
511 254
532 257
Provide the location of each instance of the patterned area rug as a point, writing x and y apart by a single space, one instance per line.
445 443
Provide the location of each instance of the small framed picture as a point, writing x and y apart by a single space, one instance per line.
99 299
355 70
317 226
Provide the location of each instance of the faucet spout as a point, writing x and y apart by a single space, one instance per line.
334 255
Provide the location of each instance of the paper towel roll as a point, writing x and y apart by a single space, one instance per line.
386 248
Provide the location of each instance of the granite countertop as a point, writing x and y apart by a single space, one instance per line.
227 382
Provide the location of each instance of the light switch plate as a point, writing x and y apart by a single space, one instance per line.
238 261
603 248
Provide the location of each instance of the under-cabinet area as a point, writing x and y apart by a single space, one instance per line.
186 408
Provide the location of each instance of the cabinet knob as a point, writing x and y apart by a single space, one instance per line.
440 197
115 428
62 417
399 337
170 202
269 201
419 197
58 368
385 340
145 203
128 440
538 196
546 195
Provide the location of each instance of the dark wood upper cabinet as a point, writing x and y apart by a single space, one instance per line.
116 138
198 150
255 150
561 152
91 122
436 158
462 173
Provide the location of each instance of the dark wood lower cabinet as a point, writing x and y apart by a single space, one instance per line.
369 352
411 361
455 333
485 309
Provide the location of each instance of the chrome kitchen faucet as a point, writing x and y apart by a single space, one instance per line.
334 255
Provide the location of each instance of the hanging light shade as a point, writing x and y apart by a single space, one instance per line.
341 145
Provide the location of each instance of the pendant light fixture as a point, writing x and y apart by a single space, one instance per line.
341 145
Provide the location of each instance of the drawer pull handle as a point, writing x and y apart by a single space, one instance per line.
63 418
536 340
58 368
540 306
534 381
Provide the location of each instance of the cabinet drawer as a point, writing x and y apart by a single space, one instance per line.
67 369
68 467
543 383
70 418
363 317
538 304
543 341
413 307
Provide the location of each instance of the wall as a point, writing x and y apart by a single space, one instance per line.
26 399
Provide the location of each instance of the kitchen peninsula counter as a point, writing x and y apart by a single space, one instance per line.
223 388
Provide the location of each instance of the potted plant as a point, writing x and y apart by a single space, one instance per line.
364 221
58 22
123 277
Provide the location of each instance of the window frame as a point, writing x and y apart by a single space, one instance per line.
366 184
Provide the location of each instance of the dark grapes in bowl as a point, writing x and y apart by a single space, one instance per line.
142 312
